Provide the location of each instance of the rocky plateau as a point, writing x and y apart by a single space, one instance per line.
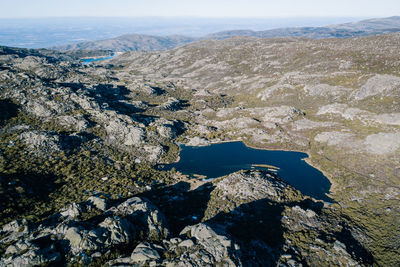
79 146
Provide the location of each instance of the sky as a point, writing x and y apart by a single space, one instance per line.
198 8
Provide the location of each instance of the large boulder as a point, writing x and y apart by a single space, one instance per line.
218 246
119 231
72 211
99 203
145 214
82 239
144 252
120 131
27 253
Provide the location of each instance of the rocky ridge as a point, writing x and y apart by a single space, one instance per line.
134 231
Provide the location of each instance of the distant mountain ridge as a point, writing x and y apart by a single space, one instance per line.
353 29
131 42
140 42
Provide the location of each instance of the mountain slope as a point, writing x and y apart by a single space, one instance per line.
131 42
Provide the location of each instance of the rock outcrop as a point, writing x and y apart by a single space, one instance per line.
265 215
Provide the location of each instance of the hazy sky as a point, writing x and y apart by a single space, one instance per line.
200 8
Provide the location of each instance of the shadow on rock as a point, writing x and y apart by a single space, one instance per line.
8 110
22 190
180 206
257 227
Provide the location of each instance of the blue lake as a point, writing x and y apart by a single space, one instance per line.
90 60
221 159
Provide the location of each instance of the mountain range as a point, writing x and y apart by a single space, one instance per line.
140 42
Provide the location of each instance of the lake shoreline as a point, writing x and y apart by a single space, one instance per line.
237 155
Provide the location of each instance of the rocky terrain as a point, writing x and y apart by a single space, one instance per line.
135 232
79 145
335 99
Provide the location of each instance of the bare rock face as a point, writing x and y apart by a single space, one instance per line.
99 203
167 130
388 118
45 143
75 122
256 209
151 218
335 138
253 185
304 124
319 96
382 143
217 245
121 230
41 141
72 211
197 141
120 131
386 85
344 111
379 144
326 90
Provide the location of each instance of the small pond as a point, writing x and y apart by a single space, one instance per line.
224 158
90 60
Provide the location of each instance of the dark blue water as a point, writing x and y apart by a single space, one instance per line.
90 60
221 159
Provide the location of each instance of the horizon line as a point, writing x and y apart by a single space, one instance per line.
198 17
